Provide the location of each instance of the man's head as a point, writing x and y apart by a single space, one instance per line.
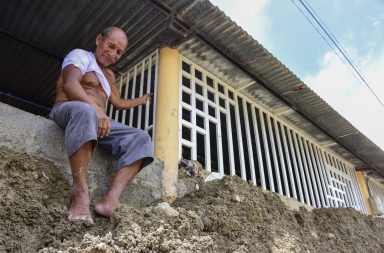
110 45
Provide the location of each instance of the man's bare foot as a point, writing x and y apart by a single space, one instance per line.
105 207
79 209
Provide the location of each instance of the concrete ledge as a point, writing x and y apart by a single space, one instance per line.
25 132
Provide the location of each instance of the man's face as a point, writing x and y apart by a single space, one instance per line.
110 48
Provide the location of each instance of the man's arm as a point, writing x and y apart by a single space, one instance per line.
72 87
123 104
74 91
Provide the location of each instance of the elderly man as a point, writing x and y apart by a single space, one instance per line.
83 87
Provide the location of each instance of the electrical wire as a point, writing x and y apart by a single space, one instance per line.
339 49
324 38
342 59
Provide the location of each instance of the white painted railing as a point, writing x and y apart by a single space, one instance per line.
138 80
231 134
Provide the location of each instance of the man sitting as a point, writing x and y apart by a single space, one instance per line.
83 87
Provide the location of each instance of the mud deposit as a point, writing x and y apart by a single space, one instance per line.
225 215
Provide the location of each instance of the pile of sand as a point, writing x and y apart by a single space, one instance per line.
227 215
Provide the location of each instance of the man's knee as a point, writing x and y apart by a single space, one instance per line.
82 110
143 136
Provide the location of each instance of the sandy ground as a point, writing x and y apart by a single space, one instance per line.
227 215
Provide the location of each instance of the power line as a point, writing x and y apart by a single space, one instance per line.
339 49
326 41
322 36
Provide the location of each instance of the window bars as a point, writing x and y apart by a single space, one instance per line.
230 134
138 80
376 189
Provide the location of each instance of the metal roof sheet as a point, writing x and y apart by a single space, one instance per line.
230 40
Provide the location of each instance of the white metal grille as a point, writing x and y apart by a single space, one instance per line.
337 187
138 80
376 189
231 134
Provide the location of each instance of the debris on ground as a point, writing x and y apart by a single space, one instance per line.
224 215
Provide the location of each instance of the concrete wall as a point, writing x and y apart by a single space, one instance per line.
35 135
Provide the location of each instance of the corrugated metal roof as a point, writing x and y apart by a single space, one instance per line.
216 29
35 35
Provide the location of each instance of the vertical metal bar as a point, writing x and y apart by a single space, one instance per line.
353 195
275 162
311 172
324 174
281 156
348 197
133 96
117 111
219 143
126 94
333 192
149 79
326 158
300 163
249 142
110 111
207 128
207 133
319 179
266 148
180 109
341 164
240 140
333 161
288 160
357 191
141 87
207 148
258 150
193 114
295 166
303 162
230 141
361 204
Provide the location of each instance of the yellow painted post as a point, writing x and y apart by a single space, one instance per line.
364 190
167 120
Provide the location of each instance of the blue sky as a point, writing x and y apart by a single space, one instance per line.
358 26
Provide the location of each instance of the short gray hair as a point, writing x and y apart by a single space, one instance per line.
105 31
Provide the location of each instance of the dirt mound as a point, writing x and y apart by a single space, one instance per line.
227 215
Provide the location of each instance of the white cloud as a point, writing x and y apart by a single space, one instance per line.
249 14
335 83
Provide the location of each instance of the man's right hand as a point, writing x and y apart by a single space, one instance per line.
104 125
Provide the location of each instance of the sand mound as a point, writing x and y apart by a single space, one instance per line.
227 215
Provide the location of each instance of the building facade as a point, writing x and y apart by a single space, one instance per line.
219 97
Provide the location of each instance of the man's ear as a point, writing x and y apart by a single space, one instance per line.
99 38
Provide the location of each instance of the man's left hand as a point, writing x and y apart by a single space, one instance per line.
146 98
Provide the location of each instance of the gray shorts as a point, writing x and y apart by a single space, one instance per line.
125 143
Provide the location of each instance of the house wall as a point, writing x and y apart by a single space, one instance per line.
231 134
